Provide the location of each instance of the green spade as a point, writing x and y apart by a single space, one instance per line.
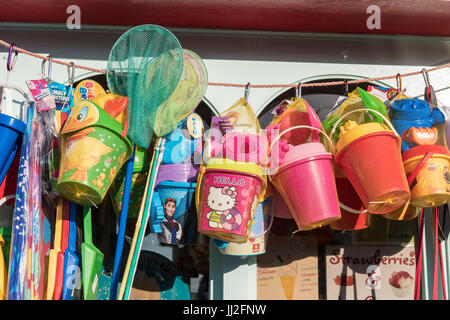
374 103
91 259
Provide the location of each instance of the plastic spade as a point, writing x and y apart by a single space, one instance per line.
60 261
3 271
53 258
91 259
122 225
72 272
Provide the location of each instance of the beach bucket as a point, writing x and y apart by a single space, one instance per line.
257 241
430 185
172 211
11 132
93 151
369 155
305 180
354 216
227 196
138 181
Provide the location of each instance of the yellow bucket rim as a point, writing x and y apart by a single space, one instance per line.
420 157
359 131
227 164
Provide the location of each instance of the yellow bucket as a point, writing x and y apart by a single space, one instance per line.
431 186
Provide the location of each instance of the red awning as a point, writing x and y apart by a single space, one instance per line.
407 17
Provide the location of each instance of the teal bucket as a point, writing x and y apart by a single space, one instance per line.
172 214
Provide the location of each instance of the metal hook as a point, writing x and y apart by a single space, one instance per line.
50 60
11 63
247 89
398 77
425 77
71 73
298 92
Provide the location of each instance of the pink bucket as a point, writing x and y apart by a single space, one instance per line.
305 179
227 199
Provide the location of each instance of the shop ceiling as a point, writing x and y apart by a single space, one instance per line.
407 17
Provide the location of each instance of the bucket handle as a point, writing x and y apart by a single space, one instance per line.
343 206
313 120
302 126
201 172
371 110
419 167
6 198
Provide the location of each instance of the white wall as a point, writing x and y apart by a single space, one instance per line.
241 57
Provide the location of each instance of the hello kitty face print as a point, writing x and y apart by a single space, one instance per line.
222 202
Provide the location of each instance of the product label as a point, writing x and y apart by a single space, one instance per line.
195 126
63 96
86 90
41 94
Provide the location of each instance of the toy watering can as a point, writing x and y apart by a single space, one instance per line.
237 145
413 119
180 145
369 156
93 151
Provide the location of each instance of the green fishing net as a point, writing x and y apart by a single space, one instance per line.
186 97
145 65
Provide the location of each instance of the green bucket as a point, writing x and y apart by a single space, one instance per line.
92 153
138 182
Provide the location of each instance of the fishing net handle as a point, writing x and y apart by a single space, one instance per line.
272 144
366 109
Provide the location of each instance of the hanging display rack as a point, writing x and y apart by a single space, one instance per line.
397 76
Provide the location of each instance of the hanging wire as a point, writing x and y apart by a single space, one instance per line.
247 89
11 61
425 77
298 92
224 84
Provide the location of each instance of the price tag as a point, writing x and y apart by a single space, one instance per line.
41 94
195 125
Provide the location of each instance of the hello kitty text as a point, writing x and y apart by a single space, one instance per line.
229 180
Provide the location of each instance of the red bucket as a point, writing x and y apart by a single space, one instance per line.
372 161
354 216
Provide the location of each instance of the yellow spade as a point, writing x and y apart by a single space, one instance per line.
53 259
3 271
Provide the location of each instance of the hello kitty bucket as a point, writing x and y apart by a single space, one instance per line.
228 193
